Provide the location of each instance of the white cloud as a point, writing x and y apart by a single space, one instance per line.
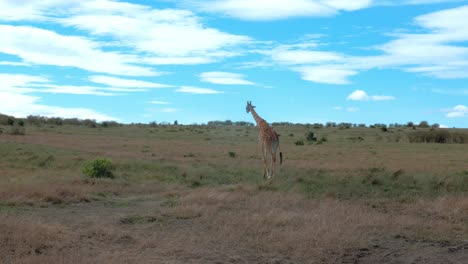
197 90
292 57
40 46
166 36
360 95
73 89
347 109
25 9
188 60
159 36
14 63
329 74
20 105
120 82
348 5
457 111
11 81
224 78
352 109
158 102
382 97
437 51
169 110
276 9
21 83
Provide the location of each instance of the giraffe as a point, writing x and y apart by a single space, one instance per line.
269 142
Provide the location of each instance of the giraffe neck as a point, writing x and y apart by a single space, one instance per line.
258 119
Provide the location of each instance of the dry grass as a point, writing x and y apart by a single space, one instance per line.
179 197
223 225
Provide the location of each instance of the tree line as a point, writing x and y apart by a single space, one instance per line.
37 120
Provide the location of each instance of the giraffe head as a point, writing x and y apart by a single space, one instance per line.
249 107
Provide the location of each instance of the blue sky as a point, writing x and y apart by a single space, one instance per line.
305 61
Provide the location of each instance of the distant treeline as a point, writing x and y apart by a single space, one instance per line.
437 136
42 120
342 125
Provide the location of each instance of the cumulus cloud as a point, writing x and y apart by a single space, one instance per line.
197 90
360 95
21 105
128 83
224 78
434 51
157 36
169 110
158 102
20 83
275 10
289 56
352 109
44 47
162 34
457 111
329 74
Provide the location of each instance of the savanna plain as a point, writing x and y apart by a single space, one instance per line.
196 194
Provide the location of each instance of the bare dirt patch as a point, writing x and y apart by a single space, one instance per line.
228 225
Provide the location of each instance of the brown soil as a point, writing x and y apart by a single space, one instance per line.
215 226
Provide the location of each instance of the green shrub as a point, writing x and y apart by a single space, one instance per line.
299 143
437 136
17 130
98 168
321 141
232 154
310 136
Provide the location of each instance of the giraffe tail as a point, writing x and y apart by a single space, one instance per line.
281 154
279 147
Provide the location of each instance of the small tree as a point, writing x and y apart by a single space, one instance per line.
423 124
98 168
310 136
10 121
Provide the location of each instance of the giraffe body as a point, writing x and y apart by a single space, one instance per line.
269 142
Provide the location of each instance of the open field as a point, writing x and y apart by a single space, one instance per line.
195 194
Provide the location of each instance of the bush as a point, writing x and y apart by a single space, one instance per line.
98 168
311 137
321 141
423 124
299 143
437 136
232 154
17 130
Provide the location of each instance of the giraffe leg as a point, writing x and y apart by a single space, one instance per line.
264 156
272 165
267 170
273 148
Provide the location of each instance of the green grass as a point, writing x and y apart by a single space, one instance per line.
147 157
371 183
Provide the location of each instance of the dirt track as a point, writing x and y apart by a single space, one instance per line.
400 249
136 230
